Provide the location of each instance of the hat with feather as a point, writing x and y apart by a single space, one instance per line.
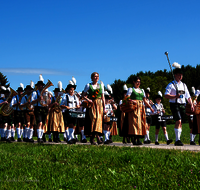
159 95
109 88
107 95
177 67
41 80
30 86
125 88
59 89
147 90
72 84
3 89
21 88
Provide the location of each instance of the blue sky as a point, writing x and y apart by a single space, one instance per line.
66 38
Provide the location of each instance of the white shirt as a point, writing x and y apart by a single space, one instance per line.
158 108
108 108
15 100
171 90
138 90
34 97
87 87
73 101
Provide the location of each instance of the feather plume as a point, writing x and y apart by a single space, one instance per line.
125 87
106 93
148 89
70 82
176 65
32 84
160 93
74 80
8 88
109 88
3 87
60 85
193 90
21 85
41 78
50 93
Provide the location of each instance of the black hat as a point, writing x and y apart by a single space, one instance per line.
20 89
28 87
159 95
56 90
70 86
147 90
41 81
177 68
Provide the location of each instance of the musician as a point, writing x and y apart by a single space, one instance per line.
148 117
70 102
125 138
94 114
177 92
19 118
29 114
159 111
6 121
56 122
107 114
39 110
136 120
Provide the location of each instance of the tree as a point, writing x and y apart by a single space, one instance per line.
4 81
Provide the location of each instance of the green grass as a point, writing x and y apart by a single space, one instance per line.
34 166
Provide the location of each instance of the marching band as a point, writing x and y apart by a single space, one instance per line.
35 111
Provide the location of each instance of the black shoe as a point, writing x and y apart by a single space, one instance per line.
84 141
106 142
58 140
71 142
128 140
149 141
12 139
192 143
169 141
146 142
50 140
135 143
65 139
31 140
124 142
19 140
8 140
40 140
157 143
24 140
43 138
139 142
178 143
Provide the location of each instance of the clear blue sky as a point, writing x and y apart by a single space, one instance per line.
66 38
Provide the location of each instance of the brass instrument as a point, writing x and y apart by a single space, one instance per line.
6 109
45 101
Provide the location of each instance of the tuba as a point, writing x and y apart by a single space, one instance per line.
46 99
6 109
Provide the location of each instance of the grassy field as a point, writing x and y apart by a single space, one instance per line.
50 166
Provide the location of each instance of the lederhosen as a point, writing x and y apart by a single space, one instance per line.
19 115
177 109
40 113
67 118
30 117
148 116
157 122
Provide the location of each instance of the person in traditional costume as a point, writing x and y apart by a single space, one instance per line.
81 121
148 116
19 118
40 111
29 113
177 93
108 113
190 116
94 114
70 103
159 111
56 123
135 121
6 121
113 127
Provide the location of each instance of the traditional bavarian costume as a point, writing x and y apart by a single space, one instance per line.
56 122
94 114
134 124
19 118
29 115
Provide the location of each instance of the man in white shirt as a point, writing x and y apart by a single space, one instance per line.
177 93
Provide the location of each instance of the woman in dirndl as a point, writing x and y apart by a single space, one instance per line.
56 122
94 94
134 124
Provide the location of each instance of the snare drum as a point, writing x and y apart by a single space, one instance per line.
76 114
165 117
113 119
